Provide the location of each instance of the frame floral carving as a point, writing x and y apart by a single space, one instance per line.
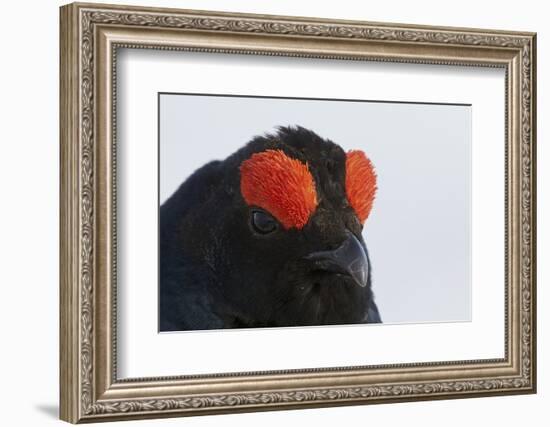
90 390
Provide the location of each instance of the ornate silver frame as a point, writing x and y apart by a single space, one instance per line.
90 36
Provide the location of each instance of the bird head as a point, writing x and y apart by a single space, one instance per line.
281 232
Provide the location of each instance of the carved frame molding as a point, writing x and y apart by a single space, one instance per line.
90 36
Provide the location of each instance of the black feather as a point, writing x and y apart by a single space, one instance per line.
217 271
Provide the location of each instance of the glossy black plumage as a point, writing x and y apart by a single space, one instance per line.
219 271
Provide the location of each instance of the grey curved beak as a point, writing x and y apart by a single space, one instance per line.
349 258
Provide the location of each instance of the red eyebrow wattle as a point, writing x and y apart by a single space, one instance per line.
281 185
360 183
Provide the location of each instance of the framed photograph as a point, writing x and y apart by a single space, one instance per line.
267 212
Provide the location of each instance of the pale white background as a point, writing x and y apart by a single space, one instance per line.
409 144
29 175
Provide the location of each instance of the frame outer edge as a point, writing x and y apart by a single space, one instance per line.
533 112
305 19
77 339
68 227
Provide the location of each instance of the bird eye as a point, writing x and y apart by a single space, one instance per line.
263 223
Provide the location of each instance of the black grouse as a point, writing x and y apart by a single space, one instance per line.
269 237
